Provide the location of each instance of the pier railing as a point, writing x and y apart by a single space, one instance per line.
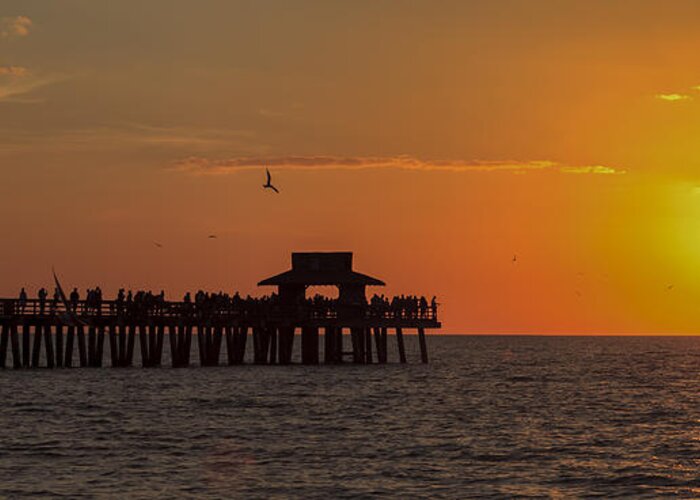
189 310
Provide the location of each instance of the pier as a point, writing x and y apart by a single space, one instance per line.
77 333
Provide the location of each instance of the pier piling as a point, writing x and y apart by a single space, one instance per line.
4 337
400 344
14 340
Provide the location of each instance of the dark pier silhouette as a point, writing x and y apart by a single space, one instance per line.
74 332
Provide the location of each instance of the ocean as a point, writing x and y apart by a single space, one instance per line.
489 417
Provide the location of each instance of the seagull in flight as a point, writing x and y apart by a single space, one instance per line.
211 236
157 244
268 184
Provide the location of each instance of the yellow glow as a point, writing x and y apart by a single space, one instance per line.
673 97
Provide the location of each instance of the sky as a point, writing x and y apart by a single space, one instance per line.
434 139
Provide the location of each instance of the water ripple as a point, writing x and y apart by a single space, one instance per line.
491 417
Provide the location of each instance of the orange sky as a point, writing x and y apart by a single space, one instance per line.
433 139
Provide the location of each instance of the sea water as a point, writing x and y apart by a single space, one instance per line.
488 417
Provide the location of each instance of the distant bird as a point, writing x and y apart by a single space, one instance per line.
157 244
515 258
212 236
669 287
578 293
268 184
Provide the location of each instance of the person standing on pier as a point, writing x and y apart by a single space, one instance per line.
22 300
423 307
74 298
98 301
42 299
120 302
55 301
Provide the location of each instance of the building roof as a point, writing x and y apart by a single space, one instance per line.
321 268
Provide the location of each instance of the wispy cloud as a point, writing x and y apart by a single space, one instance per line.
125 136
673 97
206 166
15 27
18 82
593 169
18 71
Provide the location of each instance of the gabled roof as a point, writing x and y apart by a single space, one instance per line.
321 268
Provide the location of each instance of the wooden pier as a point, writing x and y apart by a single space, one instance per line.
79 333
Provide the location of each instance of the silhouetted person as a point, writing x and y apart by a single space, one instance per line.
423 307
98 301
56 299
42 294
74 299
22 300
433 307
119 302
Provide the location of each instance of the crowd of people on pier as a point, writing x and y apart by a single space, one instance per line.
204 304
403 306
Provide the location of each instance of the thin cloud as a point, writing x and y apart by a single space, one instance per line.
593 169
673 97
17 71
125 135
206 166
15 27
13 89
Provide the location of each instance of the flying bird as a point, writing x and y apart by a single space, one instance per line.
157 244
211 236
268 184
669 287
515 258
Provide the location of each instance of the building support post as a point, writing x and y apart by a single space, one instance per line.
309 345
328 345
274 335
338 344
